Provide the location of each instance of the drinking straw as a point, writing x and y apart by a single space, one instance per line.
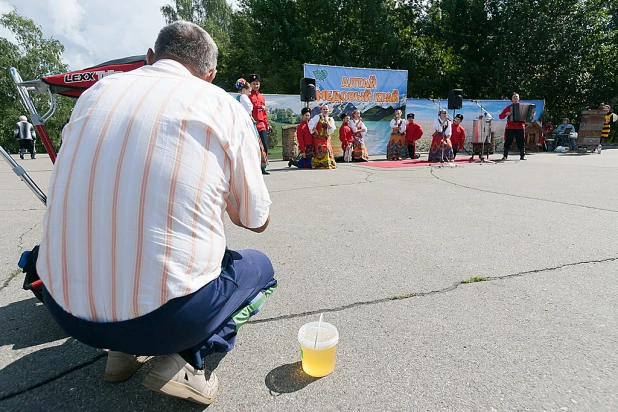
318 331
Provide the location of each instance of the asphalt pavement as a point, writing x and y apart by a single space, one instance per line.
382 253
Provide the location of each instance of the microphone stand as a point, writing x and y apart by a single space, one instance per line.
486 115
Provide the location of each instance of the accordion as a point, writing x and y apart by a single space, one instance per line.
522 112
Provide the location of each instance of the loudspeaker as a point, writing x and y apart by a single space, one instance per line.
307 90
455 99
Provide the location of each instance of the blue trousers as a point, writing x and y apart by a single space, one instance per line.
304 163
195 325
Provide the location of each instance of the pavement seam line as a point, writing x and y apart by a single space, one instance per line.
423 294
522 196
53 378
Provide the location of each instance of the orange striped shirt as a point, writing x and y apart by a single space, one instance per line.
137 196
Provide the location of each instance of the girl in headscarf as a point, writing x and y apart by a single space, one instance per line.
441 148
397 148
322 126
359 130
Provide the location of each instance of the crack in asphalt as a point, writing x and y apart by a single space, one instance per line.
423 294
12 276
20 246
521 196
331 310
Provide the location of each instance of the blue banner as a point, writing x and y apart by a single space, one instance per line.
376 93
365 88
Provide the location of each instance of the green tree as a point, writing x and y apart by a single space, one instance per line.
214 16
34 56
275 38
557 50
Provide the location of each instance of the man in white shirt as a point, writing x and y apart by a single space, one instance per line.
133 256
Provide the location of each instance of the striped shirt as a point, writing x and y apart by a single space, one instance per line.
24 131
137 196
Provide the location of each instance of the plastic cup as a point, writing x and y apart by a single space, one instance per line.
318 358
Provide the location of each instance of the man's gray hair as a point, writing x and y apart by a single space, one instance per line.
189 44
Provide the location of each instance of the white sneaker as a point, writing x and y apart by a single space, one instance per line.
121 366
172 375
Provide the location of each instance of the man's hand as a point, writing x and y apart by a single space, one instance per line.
508 113
270 129
303 155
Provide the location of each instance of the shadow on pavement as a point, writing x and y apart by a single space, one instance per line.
287 379
81 386
27 323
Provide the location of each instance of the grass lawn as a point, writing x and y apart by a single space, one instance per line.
275 153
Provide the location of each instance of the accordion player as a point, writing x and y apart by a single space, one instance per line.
522 112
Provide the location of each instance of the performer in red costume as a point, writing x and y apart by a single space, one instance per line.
458 134
346 136
414 131
305 142
514 130
259 112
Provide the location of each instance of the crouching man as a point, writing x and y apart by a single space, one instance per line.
133 257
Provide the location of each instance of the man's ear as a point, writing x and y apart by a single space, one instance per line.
150 57
210 76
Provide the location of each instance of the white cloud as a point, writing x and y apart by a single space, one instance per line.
5 7
66 19
94 31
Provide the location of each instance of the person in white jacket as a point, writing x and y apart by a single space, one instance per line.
24 132
321 127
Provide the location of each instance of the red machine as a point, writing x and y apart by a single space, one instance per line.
71 84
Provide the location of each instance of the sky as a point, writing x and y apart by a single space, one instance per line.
92 31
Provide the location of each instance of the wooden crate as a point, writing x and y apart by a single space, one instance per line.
289 142
591 127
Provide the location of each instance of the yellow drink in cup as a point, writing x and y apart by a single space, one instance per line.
318 358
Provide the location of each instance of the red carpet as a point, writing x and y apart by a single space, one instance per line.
392 164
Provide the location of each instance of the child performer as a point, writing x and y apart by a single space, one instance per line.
458 135
359 130
346 137
322 126
441 149
244 90
414 131
397 148
305 142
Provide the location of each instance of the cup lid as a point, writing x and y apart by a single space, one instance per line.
327 338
